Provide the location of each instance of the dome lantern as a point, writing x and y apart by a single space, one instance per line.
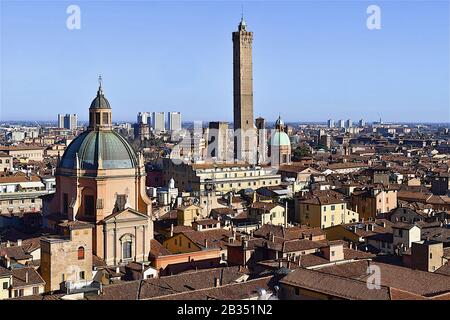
100 113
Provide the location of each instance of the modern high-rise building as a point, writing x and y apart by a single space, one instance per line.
362 123
341 124
348 123
330 123
174 121
60 121
244 127
68 121
144 118
158 122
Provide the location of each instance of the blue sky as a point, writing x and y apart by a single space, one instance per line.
313 60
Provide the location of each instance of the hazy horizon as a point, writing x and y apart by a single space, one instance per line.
311 61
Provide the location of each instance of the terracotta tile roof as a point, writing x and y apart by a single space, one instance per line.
18 177
445 269
73 225
233 291
217 238
414 281
4 272
15 252
172 214
333 285
158 287
157 249
301 245
20 147
323 200
204 222
20 277
264 205
289 233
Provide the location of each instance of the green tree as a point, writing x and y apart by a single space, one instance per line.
300 152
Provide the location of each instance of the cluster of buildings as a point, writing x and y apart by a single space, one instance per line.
68 121
154 123
297 212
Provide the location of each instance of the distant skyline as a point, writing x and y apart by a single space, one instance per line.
312 61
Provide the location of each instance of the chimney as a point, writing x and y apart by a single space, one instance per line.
8 244
216 282
171 230
19 242
272 237
206 243
26 276
117 269
280 263
245 244
366 227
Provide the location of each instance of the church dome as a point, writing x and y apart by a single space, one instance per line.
280 138
114 151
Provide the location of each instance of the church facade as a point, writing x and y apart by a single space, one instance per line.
101 180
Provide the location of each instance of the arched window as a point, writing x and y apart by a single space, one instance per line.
80 253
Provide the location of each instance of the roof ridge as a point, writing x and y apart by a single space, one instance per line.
209 288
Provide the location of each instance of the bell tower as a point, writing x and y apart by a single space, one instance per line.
243 92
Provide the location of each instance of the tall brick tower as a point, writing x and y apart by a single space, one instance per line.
243 93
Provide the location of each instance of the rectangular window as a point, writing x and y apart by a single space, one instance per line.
126 249
35 290
5 285
332 253
324 208
81 275
97 118
89 207
332 208
297 291
431 255
65 202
